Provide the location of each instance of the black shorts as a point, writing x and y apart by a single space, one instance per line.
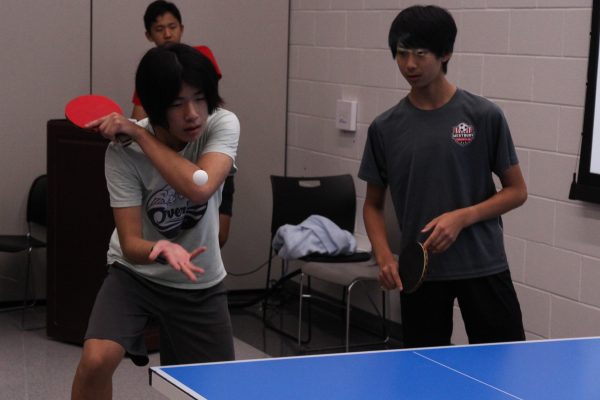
489 307
194 324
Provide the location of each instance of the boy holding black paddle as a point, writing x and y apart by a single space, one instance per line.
437 150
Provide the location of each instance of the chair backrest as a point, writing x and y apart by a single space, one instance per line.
37 201
297 198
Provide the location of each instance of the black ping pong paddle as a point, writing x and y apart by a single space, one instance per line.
87 108
412 266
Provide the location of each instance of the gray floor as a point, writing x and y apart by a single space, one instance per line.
35 367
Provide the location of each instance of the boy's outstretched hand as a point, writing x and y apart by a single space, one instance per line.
178 257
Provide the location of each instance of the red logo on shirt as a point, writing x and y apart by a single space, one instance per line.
463 134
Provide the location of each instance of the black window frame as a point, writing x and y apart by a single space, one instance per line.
586 185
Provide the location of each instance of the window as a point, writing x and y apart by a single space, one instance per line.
586 186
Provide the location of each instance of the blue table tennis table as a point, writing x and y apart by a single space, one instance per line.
565 369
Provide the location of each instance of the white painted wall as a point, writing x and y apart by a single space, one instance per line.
530 57
41 68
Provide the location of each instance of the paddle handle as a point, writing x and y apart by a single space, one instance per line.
124 139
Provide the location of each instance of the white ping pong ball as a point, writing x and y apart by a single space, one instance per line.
200 177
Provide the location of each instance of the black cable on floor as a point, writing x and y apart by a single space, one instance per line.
268 292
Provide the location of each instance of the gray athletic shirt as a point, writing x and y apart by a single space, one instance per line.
437 161
132 181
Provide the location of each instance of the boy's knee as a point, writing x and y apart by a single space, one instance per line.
99 358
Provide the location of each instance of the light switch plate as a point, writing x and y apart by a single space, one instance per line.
345 115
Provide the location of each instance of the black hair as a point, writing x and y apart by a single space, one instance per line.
158 8
162 72
428 27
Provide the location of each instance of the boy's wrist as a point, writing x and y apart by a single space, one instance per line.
470 216
139 133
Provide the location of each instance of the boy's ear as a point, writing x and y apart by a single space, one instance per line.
446 57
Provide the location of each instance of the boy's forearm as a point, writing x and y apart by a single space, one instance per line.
512 195
375 227
502 202
178 171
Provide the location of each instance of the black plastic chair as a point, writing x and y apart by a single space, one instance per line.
36 214
334 197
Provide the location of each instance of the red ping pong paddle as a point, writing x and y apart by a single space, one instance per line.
412 266
87 108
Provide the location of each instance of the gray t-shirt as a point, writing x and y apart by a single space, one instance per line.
441 160
133 181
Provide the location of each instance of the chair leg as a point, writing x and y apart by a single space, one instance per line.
268 282
348 307
298 339
301 298
384 327
309 311
265 302
300 301
26 291
267 285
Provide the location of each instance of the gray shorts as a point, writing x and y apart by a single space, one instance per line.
194 324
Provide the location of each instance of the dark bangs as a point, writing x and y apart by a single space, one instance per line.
162 72
428 27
